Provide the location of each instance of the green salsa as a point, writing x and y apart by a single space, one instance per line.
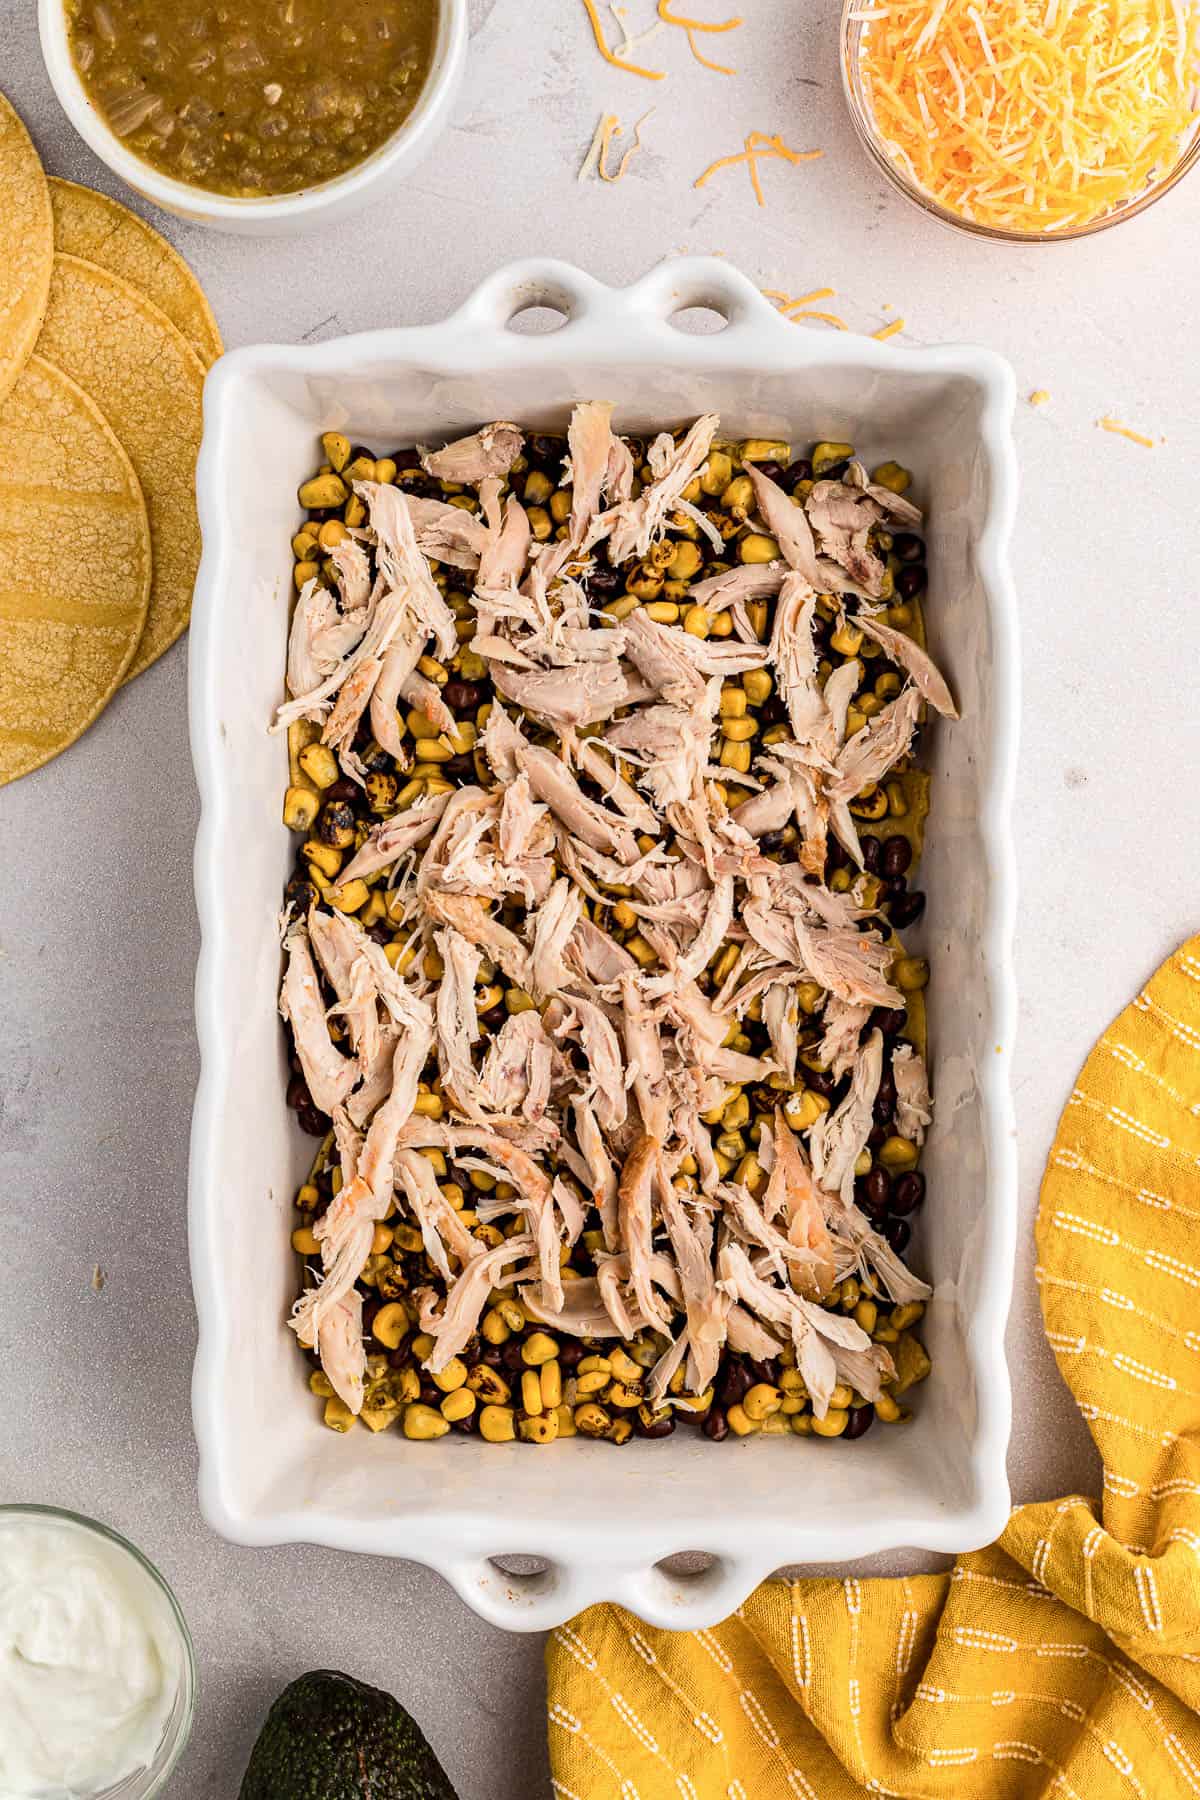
253 97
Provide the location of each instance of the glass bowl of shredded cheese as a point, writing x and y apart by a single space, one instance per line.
1028 121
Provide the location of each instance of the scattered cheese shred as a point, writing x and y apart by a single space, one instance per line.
596 161
1048 116
758 144
789 303
796 306
1135 437
888 330
1039 397
691 27
611 56
598 145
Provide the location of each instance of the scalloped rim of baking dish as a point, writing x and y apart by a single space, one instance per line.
602 1557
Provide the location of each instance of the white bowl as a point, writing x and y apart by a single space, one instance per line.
161 1611
282 213
603 1519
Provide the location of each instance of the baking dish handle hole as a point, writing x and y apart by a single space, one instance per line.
700 320
538 319
686 1565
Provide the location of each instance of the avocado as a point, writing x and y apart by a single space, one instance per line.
329 1737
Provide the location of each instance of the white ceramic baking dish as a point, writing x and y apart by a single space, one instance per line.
602 1520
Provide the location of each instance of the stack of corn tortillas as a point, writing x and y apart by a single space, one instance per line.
105 336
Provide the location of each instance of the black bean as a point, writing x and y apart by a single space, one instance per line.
431 1394
860 1421
570 1355
877 1137
801 470
908 1192
733 1383
821 1081
771 469
872 851
897 1232
544 448
911 581
511 1356
603 580
878 1189
403 459
462 696
716 1425
492 1356
342 789
836 470
324 1184
460 768
658 1428
897 856
397 1359
890 1022
835 857
906 909
885 1101
770 840
298 1095
311 1122
423 487
468 1426
766 1369
380 933
494 1017
908 546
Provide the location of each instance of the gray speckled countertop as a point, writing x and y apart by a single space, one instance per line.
97 931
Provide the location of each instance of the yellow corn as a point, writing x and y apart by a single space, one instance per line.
458 1406
497 1424
422 1423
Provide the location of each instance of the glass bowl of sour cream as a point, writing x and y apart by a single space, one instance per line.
97 1673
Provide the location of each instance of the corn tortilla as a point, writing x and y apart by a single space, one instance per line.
26 246
147 380
74 566
102 231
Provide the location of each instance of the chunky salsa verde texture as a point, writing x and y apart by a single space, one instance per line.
253 97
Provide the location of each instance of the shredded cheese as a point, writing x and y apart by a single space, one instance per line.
691 27
758 145
796 307
629 43
1032 115
888 330
1135 437
596 160
1039 397
611 56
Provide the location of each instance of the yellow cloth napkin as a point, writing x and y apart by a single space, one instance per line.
1063 1661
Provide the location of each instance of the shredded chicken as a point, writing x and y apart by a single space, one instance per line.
492 451
914 1108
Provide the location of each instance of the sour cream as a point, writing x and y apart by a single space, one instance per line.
90 1660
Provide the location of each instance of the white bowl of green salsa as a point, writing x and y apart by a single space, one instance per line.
282 117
